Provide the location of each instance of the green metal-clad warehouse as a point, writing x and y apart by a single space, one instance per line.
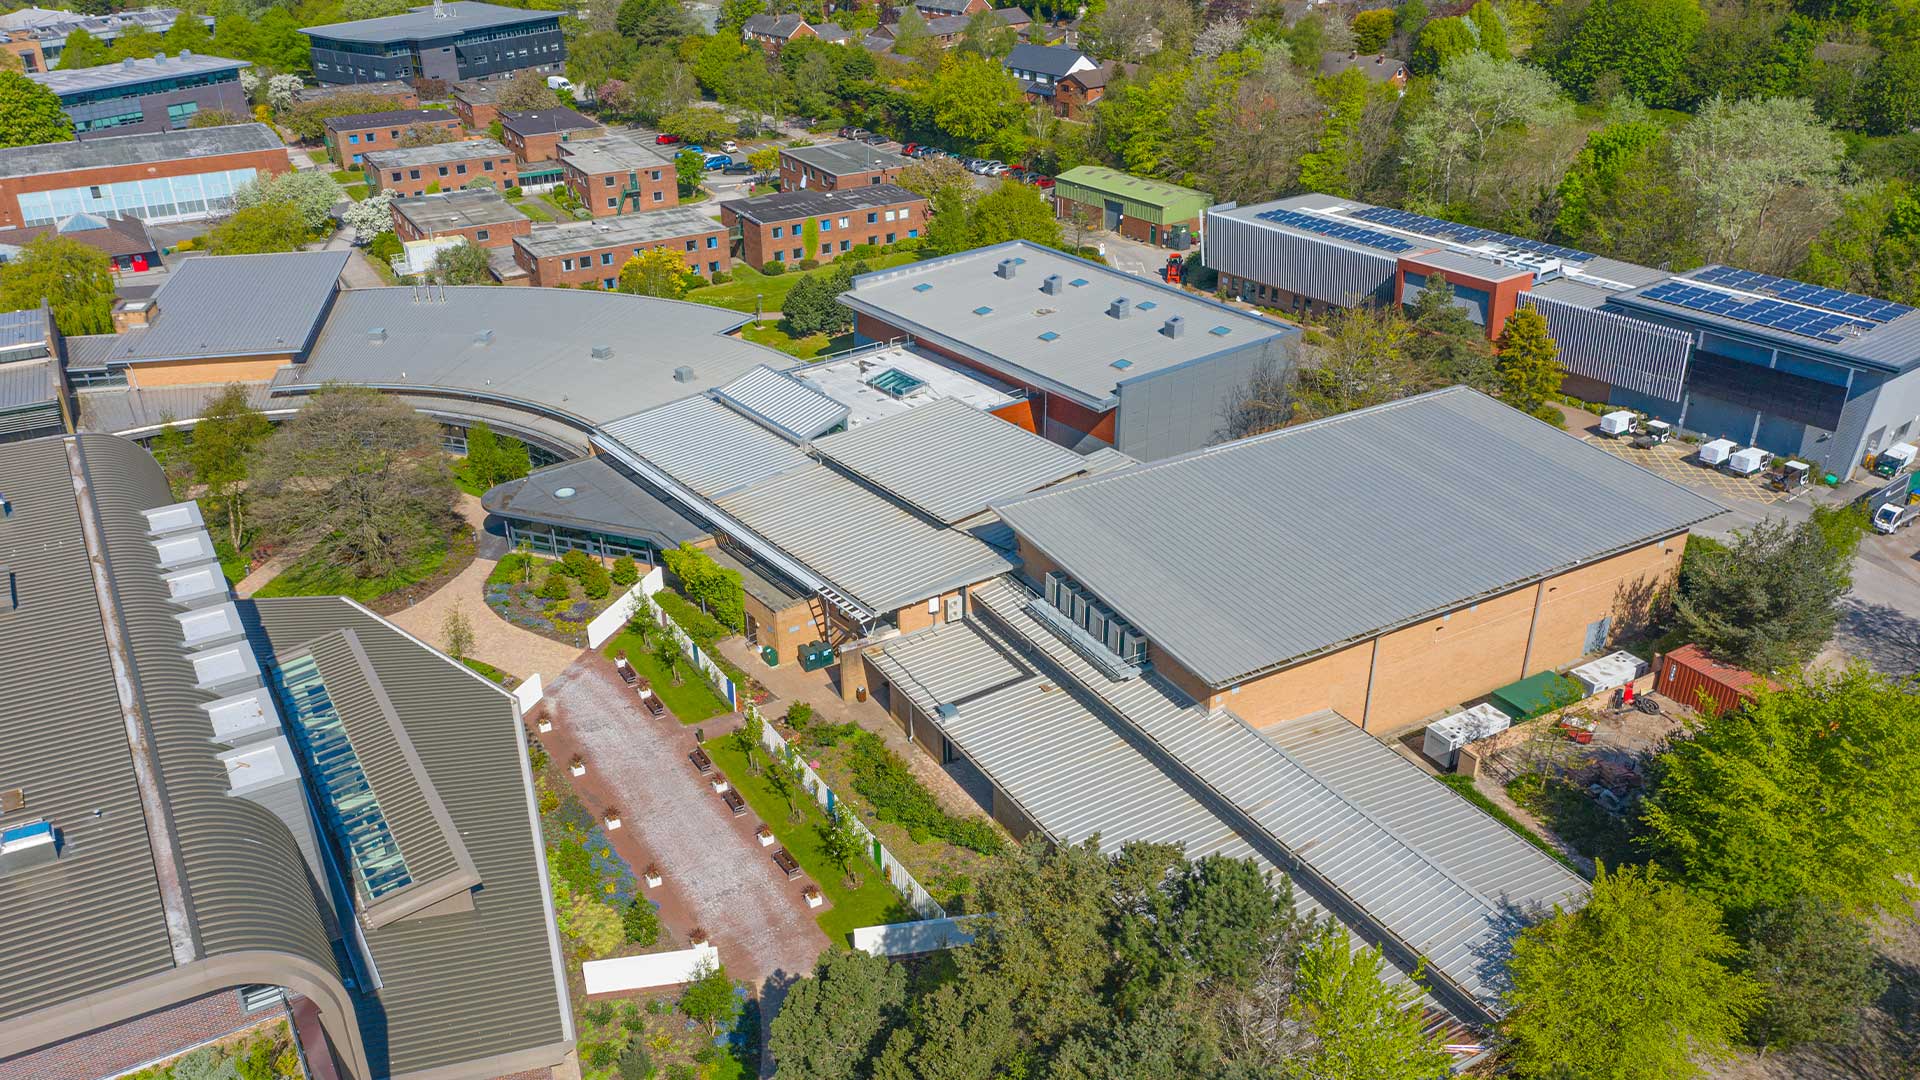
1151 211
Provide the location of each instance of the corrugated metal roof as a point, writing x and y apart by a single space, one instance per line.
949 459
236 305
435 154
133 411
706 446
603 500
115 151
86 351
427 24
28 326
27 383
783 402
1239 558
132 72
882 556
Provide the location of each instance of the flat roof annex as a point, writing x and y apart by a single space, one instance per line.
613 154
808 202
466 208
151 148
961 303
844 158
1248 556
215 306
652 227
132 72
429 23
438 153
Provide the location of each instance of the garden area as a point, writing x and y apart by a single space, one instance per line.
708 1030
556 598
263 1053
749 285
657 657
317 574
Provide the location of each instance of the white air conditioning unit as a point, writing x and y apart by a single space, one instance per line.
1096 623
1053 590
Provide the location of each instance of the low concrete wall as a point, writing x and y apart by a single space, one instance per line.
648 971
620 612
914 938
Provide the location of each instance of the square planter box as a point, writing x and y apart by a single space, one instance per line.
612 823
653 878
545 725
578 768
765 836
720 784
813 897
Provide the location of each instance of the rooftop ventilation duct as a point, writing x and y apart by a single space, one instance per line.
26 845
1176 326
377 335
1052 285
603 352
484 337
1006 269
1120 308
683 373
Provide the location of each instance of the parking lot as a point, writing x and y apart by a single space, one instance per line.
1679 461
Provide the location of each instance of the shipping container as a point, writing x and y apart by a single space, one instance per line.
1691 678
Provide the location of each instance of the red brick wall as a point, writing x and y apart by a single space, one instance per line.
266 161
793 172
477 116
545 145
447 174
594 189
384 137
551 270
117 1049
500 234
758 244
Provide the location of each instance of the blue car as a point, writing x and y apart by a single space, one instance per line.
718 161
693 148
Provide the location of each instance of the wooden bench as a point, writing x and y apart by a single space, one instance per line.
700 760
650 700
787 863
627 674
734 802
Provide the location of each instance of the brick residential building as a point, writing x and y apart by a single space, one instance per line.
122 239
478 102
771 228
1377 67
447 167
1075 94
536 136
158 177
592 252
350 137
838 166
483 217
773 32
619 175
160 93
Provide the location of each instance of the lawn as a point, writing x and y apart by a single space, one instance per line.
1575 818
349 176
747 283
313 575
811 347
692 701
489 672
872 904
1464 785
357 192
535 209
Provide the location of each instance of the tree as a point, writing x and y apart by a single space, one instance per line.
1529 362
173 451
1643 47
493 459
667 654
359 479
83 50
641 922
832 1026
784 782
311 192
1804 792
1874 246
527 93
1353 1025
1476 101
74 280
1013 211
813 306
1447 347
465 263
655 272
649 23
1489 30
1261 404
424 134
1363 363
307 120
698 126
767 159
187 34
596 58
1767 601
844 845
280 91
136 43
457 632
974 100
660 84
1763 177
369 217
1443 41
1816 966
707 999
225 441
30 113
747 739
716 589
1890 97
208 118
1136 29
1637 984
1372 29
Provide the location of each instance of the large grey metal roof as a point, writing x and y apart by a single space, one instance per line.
706 446
1243 557
26 327
842 158
236 305
537 349
436 154
949 459
427 23
603 499
136 412
969 308
883 556
652 227
132 72
117 151
783 403
27 383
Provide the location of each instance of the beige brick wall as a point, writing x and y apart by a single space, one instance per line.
917 617
196 372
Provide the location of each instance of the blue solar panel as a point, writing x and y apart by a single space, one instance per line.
1338 230
1466 234
1833 300
1774 314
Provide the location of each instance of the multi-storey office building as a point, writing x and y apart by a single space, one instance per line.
459 40
161 93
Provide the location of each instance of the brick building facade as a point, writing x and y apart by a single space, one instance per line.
445 167
117 176
838 166
482 217
772 228
536 136
591 253
619 175
349 138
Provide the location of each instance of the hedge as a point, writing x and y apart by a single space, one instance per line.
880 775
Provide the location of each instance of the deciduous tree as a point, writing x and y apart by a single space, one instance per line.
1643 47
75 281
225 441
465 263
1529 361
1372 29
1364 362
843 845
708 999
369 217
83 50
1352 1024
312 193
456 632
1817 967
832 1026
30 113
1476 101
1013 211
1763 177
655 272
527 92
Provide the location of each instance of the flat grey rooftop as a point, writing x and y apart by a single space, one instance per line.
131 72
462 16
463 209
961 302
842 158
236 305
400 117
529 346
545 121
644 229
706 446
24 328
438 153
949 459
612 154
25 384
810 202
857 381
1245 557
115 151
591 494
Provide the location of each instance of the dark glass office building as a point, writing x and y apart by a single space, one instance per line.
451 41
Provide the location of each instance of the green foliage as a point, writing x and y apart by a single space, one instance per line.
555 587
704 582
258 230
884 779
1874 245
625 571
591 924
495 459
1529 362
641 922
975 100
465 263
311 192
595 581
707 999
813 307
655 272
832 1026
1443 41
1641 47
1637 984
1372 29
83 50
1816 966
30 113
1804 792
1489 31
73 279
1771 599
774 269
224 443
843 844
1358 1025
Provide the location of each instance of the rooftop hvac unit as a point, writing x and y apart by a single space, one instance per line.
1096 623
1006 269
1444 738
1077 611
1176 326
683 374
1052 285
1116 634
1120 308
602 352
1133 646
1053 589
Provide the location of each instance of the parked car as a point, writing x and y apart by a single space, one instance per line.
992 168
876 140
912 150
737 168
693 148
1042 182
664 139
718 161
854 133
729 146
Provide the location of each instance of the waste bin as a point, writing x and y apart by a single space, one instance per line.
770 656
815 655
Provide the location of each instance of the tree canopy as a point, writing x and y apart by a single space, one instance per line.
75 281
1769 599
655 272
30 113
465 263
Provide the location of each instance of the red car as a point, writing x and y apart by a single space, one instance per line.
664 139
907 150
1042 181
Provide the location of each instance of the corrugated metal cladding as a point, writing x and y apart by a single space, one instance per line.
1616 350
31 421
1242 557
773 397
237 304
1328 272
706 446
465 987
948 458
1183 409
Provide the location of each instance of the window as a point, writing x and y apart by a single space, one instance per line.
713 268
654 175
354 140
412 174
606 258
392 133
659 196
872 240
913 232
779 256
845 244
843 223
890 214
778 230
875 182
480 235
180 115
826 249
799 253
826 224
486 166
609 283
713 241
690 245
566 264
95 189
889 238
613 202
443 170
874 218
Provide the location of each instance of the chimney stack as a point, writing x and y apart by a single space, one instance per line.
1006 269
1120 308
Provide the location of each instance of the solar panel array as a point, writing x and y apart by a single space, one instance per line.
1339 230
1776 314
1835 300
1466 234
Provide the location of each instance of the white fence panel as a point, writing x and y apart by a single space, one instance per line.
529 693
650 970
914 938
620 612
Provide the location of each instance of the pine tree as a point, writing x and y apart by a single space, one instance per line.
1529 362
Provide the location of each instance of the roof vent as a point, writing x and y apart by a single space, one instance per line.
6 508
1052 285
948 710
1176 326
683 373
27 844
186 54
377 335
1120 308
484 337
603 352
1006 268
127 63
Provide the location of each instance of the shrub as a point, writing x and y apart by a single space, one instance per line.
1551 415
555 587
634 1064
703 628
720 277
596 581
625 572
575 563
641 922
799 714
884 779
773 269
809 264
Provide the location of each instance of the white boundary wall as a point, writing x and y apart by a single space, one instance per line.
914 938
529 693
645 972
620 612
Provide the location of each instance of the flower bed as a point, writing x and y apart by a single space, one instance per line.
554 598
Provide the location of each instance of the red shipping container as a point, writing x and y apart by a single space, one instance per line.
1693 679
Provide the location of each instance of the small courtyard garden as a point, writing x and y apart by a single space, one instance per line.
556 598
